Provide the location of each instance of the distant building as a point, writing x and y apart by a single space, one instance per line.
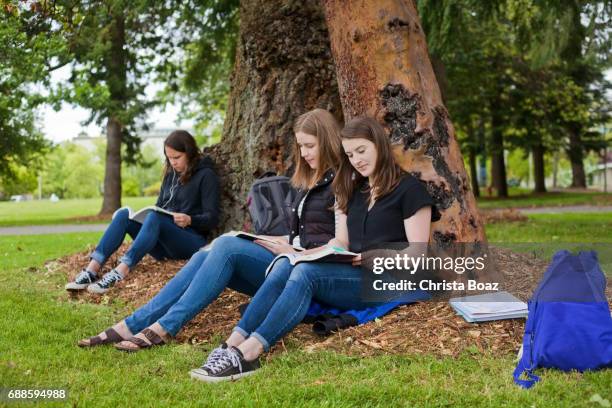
602 176
154 137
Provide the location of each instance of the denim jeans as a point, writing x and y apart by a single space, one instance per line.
158 236
283 300
232 262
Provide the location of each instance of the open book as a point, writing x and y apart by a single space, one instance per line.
248 236
327 254
140 215
244 235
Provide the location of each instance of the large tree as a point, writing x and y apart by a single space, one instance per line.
383 70
283 68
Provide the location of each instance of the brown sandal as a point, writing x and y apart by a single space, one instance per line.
111 337
137 344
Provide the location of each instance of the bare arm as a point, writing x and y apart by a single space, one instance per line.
341 238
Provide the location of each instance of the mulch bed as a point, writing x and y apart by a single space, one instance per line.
427 327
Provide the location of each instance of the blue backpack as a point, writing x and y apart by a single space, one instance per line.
569 325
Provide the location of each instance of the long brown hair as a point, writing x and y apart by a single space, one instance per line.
182 141
322 125
387 173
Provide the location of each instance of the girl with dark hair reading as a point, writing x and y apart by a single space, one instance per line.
186 209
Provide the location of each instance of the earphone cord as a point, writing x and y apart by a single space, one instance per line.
172 187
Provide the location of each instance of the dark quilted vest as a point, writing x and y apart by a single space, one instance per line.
316 226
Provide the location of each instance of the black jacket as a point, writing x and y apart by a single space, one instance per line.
316 226
198 198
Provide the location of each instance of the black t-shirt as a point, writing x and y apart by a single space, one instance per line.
384 223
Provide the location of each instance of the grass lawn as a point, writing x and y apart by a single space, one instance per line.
552 199
567 227
45 212
545 234
40 326
62 212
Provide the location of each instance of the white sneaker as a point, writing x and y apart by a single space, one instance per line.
108 281
82 280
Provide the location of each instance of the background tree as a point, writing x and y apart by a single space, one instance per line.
115 49
498 57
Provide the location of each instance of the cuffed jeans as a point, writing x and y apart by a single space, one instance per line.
283 300
158 236
232 262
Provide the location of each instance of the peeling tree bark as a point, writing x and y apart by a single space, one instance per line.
283 68
383 70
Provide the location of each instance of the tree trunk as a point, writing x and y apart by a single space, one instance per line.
498 164
112 174
472 144
474 173
539 175
116 65
577 67
283 68
384 71
575 154
441 77
555 168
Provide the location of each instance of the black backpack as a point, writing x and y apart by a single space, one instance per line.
269 202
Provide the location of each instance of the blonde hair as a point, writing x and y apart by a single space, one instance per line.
322 125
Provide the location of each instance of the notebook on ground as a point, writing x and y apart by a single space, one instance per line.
489 306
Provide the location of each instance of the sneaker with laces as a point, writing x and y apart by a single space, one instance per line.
225 364
108 281
82 280
214 355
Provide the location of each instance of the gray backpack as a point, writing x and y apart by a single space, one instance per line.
269 202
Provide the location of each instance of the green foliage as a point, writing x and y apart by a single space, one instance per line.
20 180
23 69
507 58
72 172
199 75
136 178
117 48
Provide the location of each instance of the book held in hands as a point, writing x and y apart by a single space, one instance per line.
140 215
326 254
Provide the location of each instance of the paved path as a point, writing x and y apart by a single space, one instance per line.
566 209
60 229
51 229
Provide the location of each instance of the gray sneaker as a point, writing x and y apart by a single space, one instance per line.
227 365
82 280
108 281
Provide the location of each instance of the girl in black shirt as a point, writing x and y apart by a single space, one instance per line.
375 203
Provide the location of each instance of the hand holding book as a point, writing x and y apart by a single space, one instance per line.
182 220
277 247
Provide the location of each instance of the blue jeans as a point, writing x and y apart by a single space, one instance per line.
232 262
158 236
283 300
